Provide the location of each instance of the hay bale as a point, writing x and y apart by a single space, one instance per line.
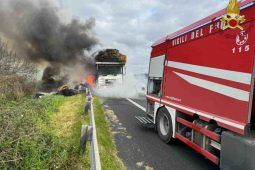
111 55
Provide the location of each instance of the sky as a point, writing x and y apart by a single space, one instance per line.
132 26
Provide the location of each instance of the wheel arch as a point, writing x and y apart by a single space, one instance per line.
172 112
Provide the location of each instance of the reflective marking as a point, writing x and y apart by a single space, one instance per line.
247 5
208 22
230 123
154 98
219 88
235 76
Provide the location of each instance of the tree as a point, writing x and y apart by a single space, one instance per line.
17 73
13 64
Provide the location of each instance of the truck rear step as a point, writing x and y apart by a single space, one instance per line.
145 121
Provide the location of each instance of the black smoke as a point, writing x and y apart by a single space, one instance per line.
51 79
36 28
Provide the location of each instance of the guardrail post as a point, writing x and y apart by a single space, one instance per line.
86 135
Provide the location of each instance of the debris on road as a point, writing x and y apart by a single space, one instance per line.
66 91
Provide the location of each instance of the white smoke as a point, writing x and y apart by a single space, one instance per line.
133 86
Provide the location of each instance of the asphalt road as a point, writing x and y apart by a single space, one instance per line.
141 148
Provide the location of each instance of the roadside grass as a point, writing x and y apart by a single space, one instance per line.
66 124
42 134
107 148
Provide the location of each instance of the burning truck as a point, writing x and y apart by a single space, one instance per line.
110 67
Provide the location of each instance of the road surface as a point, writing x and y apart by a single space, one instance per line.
141 148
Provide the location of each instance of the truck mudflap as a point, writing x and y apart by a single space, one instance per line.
237 152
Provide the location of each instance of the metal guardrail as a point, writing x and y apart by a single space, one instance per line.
94 156
88 133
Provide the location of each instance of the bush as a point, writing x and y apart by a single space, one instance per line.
13 64
15 87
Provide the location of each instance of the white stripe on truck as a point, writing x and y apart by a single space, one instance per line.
213 117
218 119
216 87
235 76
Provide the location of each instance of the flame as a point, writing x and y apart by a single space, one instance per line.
90 80
233 7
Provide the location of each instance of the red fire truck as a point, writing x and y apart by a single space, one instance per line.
201 87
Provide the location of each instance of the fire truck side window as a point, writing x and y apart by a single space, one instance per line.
154 87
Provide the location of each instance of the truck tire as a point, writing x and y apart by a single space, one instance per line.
164 125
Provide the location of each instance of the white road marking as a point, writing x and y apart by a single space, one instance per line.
137 105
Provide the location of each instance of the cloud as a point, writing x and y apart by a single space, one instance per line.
133 26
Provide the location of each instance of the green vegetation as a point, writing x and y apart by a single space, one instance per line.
45 134
17 75
41 134
107 149
66 125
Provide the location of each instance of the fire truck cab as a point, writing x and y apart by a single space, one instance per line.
201 89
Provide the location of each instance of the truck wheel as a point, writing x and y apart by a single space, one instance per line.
164 125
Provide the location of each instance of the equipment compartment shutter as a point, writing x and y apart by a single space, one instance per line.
156 66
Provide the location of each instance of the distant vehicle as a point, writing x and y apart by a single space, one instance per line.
109 73
110 66
201 87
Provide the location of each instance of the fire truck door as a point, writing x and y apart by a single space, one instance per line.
155 75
